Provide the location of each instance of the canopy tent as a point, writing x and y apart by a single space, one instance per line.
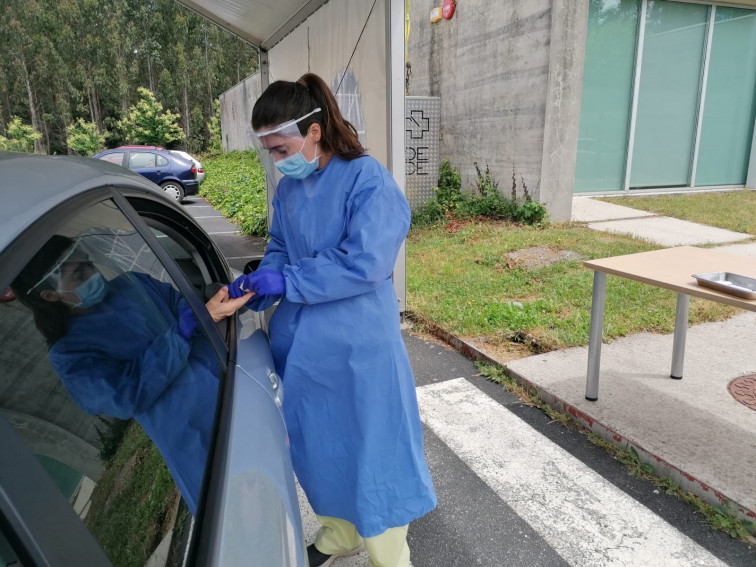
356 46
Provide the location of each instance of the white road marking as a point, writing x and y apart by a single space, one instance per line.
581 515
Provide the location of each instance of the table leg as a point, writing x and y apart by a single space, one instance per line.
597 334
681 331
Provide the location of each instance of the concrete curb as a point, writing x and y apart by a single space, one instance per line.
660 467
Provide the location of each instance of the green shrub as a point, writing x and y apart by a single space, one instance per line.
19 137
83 138
235 185
449 190
447 200
485 201
215 143
147 123
531 212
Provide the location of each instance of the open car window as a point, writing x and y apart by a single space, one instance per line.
109 379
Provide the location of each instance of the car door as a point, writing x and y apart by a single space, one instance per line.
150 164
124 463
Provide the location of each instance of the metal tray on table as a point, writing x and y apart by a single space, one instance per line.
727 282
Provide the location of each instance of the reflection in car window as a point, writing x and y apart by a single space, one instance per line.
98 349
8 557
141 159
161 161
116 158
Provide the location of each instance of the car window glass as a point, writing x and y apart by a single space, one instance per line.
116 158
161 161
187 258
110 381
8 558
141 159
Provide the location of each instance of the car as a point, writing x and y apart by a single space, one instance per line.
104 388
176 175
198 163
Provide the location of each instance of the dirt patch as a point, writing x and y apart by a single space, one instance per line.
498 350
540 256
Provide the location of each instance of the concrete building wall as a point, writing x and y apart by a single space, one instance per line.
509 77
490 66
236 113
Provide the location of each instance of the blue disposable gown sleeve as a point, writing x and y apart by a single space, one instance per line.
378 218
276 257
102 384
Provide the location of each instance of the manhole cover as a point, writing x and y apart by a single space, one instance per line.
743 389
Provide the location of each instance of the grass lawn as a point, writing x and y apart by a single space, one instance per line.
464 280
133 505
732 210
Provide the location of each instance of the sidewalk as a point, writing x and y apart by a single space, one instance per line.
691 430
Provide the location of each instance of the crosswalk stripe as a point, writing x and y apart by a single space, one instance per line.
581 515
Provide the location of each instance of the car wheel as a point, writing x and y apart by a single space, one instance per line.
173 189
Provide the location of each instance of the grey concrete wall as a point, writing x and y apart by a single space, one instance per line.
569 26
236 113
490 66
509 75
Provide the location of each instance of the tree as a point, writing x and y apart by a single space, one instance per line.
84 138
147 123
70 59
21 137
215 143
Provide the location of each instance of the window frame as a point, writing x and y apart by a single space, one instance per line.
45 529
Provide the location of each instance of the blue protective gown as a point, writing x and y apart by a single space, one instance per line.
125 358
349 392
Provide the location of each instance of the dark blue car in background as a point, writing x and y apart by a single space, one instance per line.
176 175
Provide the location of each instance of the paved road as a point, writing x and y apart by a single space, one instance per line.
515 488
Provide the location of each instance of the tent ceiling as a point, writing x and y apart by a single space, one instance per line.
261 22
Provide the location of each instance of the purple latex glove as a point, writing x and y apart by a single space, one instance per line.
262 282
186 321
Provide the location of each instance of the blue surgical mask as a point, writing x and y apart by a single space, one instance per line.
92 291
296 165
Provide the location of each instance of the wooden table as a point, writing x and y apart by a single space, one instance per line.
670 268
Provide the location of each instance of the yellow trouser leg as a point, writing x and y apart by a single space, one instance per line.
388 549
336 536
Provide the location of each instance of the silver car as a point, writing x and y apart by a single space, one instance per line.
197 163
133 428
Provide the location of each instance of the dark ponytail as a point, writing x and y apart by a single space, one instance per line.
285 100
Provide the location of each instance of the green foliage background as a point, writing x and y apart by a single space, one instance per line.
235 185
64 60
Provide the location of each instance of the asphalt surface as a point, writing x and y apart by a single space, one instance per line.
477 522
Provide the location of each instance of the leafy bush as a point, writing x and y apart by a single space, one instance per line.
84 138
235 185
486 201
447 200
449 190
215 143
110 432
20 137
147 123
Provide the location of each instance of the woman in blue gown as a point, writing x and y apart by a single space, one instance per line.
350 404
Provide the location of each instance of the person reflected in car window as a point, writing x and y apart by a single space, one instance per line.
350 403
128 347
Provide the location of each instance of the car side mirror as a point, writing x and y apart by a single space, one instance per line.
252 265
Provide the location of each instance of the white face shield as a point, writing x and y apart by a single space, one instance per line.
74 256
281 141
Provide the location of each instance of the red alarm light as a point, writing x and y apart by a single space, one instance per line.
448 9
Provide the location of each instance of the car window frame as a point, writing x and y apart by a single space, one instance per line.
33 527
